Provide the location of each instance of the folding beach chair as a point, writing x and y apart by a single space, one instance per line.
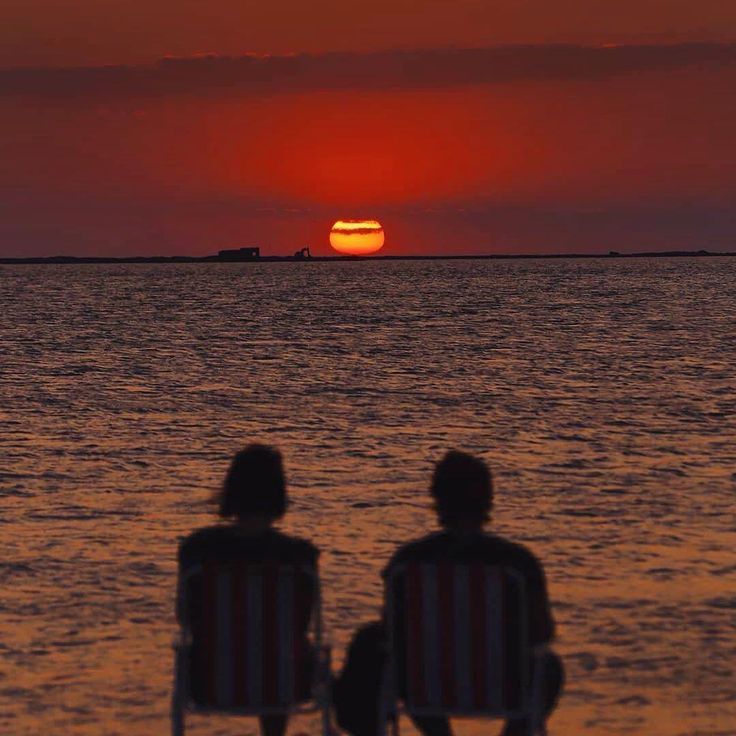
244 653
458 645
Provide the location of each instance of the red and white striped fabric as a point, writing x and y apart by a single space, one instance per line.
463 632
249 649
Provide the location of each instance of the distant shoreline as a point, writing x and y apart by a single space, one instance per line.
71 260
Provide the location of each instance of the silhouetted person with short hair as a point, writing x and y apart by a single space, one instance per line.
462 490
253 499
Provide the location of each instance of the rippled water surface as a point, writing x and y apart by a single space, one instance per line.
602 392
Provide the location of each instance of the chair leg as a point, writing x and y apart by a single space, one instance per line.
177 697
177 715
326 730
387 704
395 723
177 722
326 678
536 722
326 709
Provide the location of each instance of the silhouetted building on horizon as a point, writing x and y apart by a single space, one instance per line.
239 254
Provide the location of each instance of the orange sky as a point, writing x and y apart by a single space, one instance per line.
535 150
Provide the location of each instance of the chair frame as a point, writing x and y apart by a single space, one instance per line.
390 704
320 686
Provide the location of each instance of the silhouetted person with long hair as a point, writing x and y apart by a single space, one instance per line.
462 490
252 500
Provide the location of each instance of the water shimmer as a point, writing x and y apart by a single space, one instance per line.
602 392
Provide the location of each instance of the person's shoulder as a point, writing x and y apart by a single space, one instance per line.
419 549
199 541
202 536
514 553
229 542
301 549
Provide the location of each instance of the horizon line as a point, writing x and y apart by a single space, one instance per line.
82 260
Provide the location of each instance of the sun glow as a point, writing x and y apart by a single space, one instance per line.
357 237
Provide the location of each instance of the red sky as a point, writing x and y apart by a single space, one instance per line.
537 148
62 32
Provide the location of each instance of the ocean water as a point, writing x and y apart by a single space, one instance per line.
601 392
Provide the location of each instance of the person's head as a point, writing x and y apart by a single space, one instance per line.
462 489
255 486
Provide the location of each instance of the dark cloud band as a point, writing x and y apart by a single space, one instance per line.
382 70
357 230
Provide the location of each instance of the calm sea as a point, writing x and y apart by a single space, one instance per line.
602 393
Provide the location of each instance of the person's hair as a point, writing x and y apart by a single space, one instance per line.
462 488
254 485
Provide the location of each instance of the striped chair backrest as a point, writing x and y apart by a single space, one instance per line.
460 638
249 646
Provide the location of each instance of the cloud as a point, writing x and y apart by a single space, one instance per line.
252 74
357 230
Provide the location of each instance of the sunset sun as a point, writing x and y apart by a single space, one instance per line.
357 237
